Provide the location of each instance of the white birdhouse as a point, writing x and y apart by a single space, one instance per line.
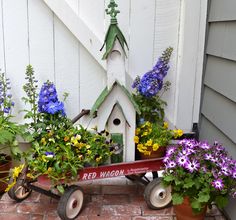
115 108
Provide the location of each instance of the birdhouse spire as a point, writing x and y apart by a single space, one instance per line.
111 10
113 33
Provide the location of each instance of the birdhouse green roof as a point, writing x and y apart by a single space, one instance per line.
105 93
113 31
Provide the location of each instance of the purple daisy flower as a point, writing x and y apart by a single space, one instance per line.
208 156
171 164
234 174
193 165
218 184
170 150
182 160
166 159
226 171
205 145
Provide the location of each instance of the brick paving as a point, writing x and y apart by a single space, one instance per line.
110 199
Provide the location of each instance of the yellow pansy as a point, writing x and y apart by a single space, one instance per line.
155 147
43 141
137 131
165 125
136 139
149 143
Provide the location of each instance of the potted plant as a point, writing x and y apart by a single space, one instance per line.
199 174
151 139
150 89
8 131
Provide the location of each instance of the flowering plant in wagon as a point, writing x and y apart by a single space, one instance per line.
202 172
59 149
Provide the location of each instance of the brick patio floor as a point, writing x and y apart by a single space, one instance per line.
110 199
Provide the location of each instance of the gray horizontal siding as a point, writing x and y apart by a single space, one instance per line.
220 75
222 39
222 10
211 133
220 111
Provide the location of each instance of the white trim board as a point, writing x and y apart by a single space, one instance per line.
78 28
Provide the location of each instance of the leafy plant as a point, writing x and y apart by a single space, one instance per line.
8 129
200 171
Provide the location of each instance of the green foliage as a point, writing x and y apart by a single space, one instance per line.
152 108
31 90
8 129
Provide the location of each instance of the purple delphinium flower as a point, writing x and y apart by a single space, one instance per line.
218 184
48 100
152 81
182 160
192 166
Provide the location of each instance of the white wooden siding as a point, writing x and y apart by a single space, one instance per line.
31 32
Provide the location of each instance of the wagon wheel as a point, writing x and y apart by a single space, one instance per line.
156 195
19 191
70 203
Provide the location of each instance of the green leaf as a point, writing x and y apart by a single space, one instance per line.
60 189
169 178
221 201
188 183
203 197
196 205
177 199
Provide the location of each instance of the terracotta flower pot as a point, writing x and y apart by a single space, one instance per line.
154 154
4 167
184 211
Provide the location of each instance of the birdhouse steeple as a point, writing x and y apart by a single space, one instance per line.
115 48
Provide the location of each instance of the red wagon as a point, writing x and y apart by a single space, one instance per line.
71 202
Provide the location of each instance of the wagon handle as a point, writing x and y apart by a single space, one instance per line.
80 115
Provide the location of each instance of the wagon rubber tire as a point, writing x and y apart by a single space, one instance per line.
19 192
70 203
156 195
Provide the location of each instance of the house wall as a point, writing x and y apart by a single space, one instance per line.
218 112
33 31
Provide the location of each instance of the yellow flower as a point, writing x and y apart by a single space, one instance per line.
89 152
165 125
137 131
155 147
136 139
15 173
149 143
88 146
98 159
144 134
43 141
49 169
17 170
178 133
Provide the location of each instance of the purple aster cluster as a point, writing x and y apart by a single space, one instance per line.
152 81
6 102
201 158
48 100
